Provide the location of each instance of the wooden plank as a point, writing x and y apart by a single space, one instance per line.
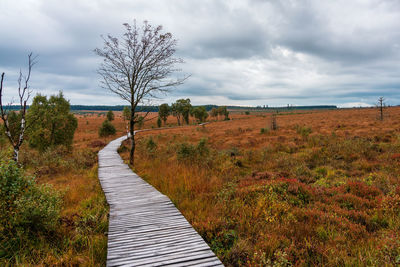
165 259
145 228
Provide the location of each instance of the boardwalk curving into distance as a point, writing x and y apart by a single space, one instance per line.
145 228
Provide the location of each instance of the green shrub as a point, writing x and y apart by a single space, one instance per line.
202 148
304 131
163 112
110 115
2 136
106 129
39 209
186 152
159 122
14 120
83 158
122 148
200 113
181 109
190 153
224 112
151 146
50 122
27 210
58 160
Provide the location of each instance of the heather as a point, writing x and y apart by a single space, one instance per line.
322 189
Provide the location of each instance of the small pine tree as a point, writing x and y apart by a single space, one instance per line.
163 112
110 115
159 122
106 129
151 146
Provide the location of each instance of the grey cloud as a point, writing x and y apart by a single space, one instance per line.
218 29
341 30
238 52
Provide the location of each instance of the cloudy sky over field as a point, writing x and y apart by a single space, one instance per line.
254 52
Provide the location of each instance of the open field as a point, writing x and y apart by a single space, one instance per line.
80 239
322 189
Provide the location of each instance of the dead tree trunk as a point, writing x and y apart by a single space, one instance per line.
274 125
380 106
24 94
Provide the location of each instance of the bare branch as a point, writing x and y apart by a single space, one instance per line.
137 66
24 94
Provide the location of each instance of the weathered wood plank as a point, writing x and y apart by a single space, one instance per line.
145 228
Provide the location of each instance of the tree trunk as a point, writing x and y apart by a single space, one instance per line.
132 152
381 104
16 154
132 132
14 145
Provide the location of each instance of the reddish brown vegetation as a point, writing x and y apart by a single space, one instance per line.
323 189
80 239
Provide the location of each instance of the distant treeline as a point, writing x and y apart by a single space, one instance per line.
99 108
208 108
120 108
113 108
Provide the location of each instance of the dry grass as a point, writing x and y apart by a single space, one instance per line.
81 238
323 189
330 197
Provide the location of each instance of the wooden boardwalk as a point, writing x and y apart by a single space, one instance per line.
145 228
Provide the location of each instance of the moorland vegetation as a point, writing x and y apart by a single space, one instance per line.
322 188
52 209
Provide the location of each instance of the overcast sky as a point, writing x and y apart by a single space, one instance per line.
254 52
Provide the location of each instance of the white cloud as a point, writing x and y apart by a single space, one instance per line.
355 105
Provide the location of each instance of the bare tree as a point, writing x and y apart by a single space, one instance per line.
381 105
137 67
24 94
